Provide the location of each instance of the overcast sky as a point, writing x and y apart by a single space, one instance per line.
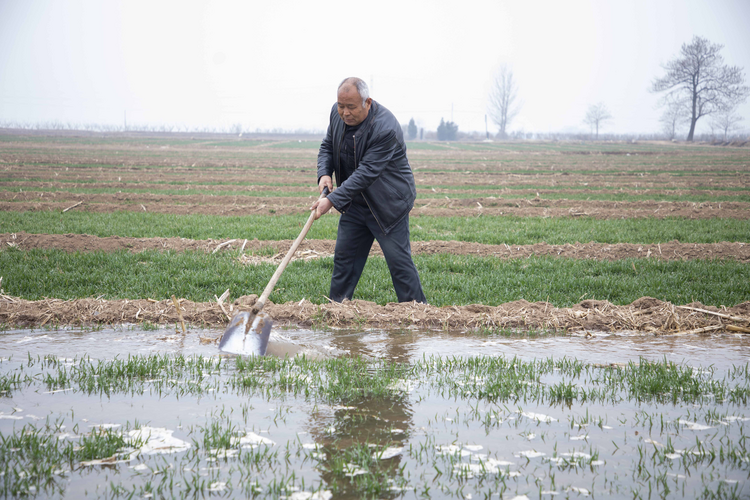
277 64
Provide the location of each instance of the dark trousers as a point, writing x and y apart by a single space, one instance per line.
357 230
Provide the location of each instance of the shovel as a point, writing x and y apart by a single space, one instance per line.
248 332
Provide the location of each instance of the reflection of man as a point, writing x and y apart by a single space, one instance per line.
386 421
365 148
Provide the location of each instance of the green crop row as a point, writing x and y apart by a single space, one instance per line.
496 230
447 279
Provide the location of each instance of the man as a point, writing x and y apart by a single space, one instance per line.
365 148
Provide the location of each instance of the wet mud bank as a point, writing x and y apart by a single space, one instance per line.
645 315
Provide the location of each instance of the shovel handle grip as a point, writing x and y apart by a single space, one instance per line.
288 257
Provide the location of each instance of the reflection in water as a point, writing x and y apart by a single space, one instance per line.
365 433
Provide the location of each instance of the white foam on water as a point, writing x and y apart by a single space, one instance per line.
250 439
451 449
305 495
217 486
351 470
157 440
732 419
223 452
693 426
539 417
58 390
390 452
530 454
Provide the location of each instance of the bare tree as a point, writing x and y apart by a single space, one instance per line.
675 114
503 106
596 116
727 121
700 77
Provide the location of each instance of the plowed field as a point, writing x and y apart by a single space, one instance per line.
238 177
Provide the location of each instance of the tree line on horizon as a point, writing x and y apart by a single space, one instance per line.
697 84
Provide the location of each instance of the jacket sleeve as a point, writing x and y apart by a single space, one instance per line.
325 154
374 162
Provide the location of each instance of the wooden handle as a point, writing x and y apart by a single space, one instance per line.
288 257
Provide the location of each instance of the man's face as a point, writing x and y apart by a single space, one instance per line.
350 105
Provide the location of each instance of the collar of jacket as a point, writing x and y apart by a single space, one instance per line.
361 131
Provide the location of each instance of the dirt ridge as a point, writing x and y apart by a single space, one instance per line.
672 250
645 315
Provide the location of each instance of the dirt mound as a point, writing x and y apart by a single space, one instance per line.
309 249
646 315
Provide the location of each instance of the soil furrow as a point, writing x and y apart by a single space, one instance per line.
466 207
673 250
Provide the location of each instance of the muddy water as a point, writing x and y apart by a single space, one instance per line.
437 433
718 350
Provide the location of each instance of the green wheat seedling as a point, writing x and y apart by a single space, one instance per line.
447 279
36 459
497 230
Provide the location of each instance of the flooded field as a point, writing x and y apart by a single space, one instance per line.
133 413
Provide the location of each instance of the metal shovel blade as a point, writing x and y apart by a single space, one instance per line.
247 335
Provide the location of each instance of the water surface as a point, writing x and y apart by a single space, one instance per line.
427 414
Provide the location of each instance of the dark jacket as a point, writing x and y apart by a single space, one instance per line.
382 172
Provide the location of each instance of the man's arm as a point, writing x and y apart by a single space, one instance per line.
325 153
325 168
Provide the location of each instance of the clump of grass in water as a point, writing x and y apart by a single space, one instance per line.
217 435
350 379
491 331
148 326
358 471
669 381
335 380
130 373
11 381
35 459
